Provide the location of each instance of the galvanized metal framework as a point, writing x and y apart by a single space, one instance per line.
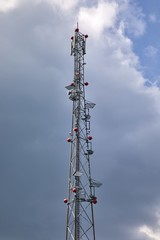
81 186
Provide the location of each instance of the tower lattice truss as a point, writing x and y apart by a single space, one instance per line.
81 187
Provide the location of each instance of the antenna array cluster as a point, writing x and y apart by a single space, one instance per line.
81 187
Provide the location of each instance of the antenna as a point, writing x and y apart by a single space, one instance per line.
81 186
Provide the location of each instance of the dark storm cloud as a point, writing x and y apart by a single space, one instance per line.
33 125
35 117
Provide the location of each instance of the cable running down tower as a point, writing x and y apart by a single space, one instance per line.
81 187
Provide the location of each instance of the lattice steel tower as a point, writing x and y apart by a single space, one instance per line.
81 186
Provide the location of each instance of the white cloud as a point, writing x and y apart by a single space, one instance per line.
63 5
95 19
151 51
149 233
152 232
6 5
122 47
132 16
109 14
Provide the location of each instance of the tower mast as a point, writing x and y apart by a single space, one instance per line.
81 187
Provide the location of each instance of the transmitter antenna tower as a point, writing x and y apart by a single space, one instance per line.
81 186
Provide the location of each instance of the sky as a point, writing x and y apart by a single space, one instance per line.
35 115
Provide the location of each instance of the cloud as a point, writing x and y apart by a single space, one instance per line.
8 5
36 113
151 51
152 232
153 18
133 17
62 5
95 19
149 233
110 14
30 101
